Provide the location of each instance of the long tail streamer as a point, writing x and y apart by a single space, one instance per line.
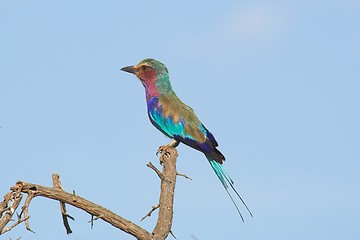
226 181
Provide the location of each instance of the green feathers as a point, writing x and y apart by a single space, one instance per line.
226 181
221 173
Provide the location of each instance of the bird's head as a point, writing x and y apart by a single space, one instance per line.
152 73
147 69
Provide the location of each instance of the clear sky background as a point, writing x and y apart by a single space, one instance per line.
277 82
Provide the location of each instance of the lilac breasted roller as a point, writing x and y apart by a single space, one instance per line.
177 120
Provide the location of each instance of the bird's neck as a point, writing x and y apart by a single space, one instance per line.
160 85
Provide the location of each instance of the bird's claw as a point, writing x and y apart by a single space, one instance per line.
163 150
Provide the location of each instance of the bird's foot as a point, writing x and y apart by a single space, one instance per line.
164 149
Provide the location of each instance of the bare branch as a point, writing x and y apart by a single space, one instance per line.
14 197
92 220
183 175
20 220
172 234
165 206
150 165
64 214
153 208
4 204
25 209
165 217
89 207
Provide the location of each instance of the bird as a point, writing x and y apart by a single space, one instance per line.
178 121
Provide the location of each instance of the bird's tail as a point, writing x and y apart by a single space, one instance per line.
226 181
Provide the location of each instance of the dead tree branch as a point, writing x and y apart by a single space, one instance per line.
153 208
184 175
150 165
165 217
15 197
64 214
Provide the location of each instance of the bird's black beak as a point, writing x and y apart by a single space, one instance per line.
129 69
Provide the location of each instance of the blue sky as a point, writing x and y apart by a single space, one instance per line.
276 82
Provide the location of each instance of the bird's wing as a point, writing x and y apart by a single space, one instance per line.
177 120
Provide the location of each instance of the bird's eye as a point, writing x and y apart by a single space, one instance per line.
146 68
